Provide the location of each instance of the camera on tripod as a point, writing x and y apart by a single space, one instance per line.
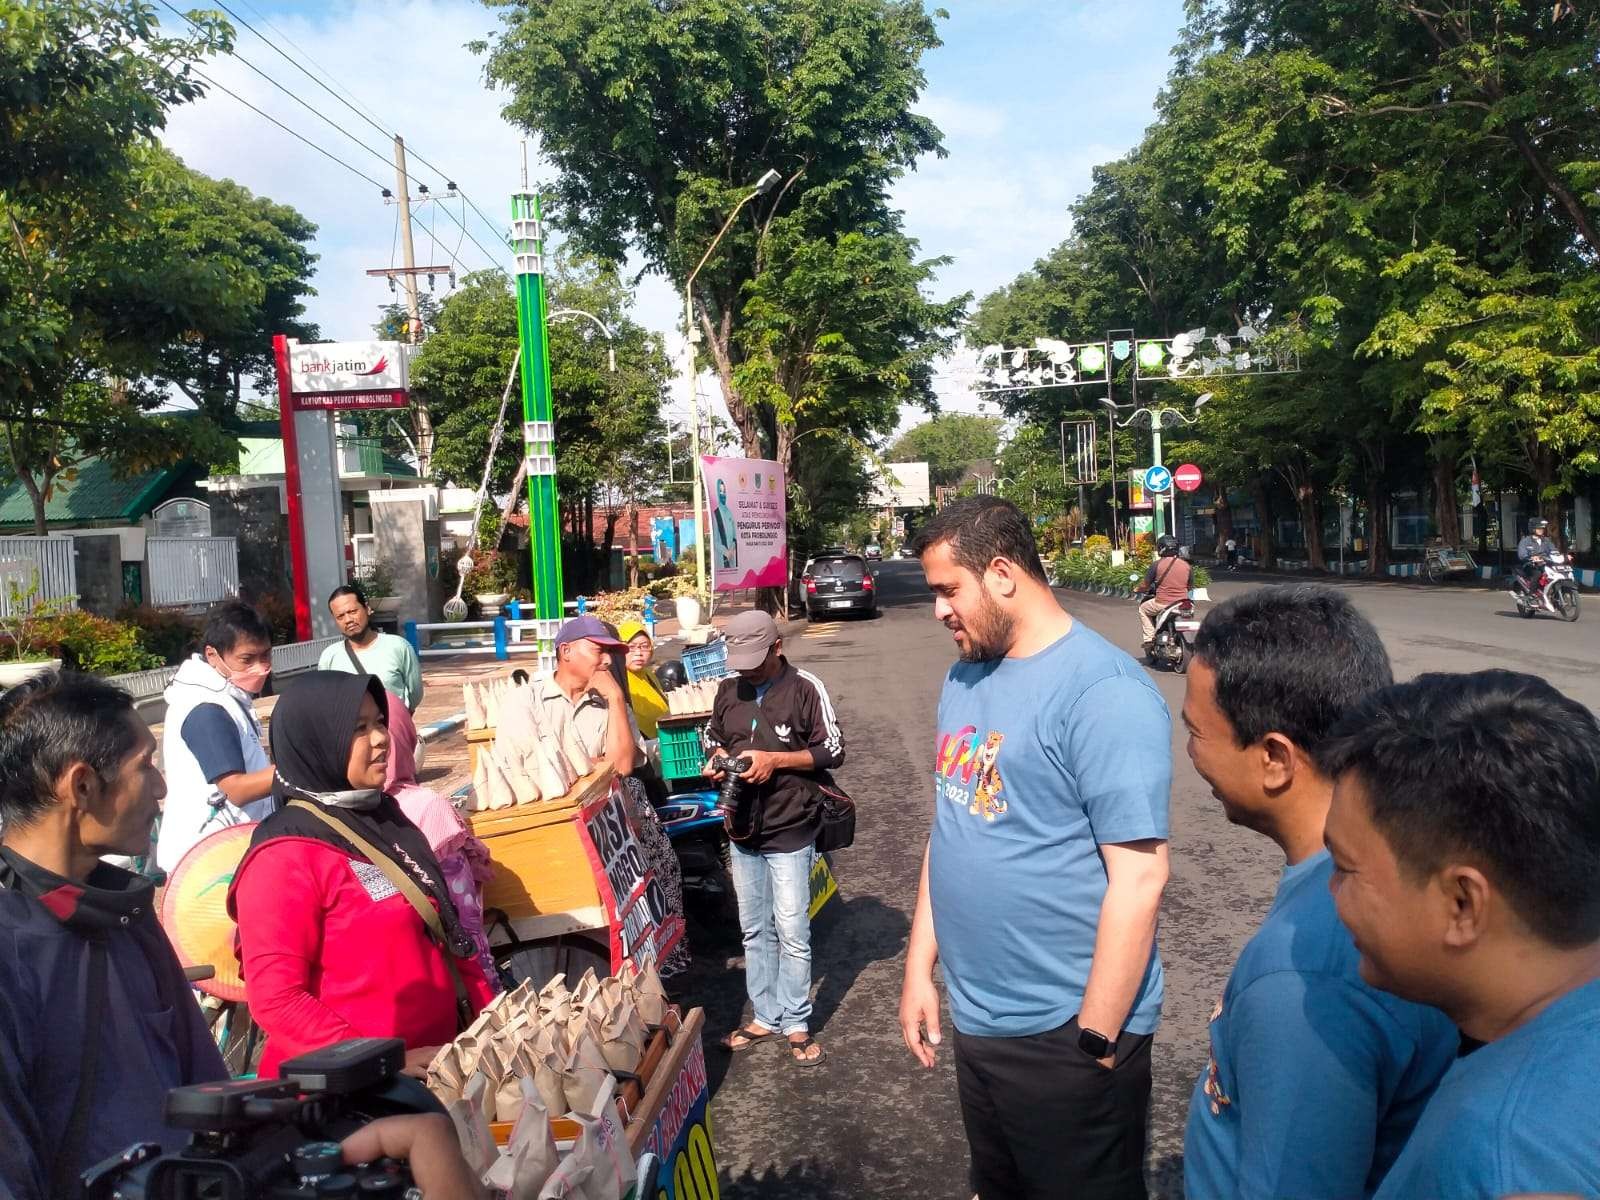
278 1138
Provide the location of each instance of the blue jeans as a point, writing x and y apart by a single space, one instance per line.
774 893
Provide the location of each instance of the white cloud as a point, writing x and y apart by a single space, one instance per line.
1022 139
426 86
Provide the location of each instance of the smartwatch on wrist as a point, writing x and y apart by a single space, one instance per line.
1095 1045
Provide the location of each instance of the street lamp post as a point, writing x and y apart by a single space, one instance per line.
562 314
1157 416
765 184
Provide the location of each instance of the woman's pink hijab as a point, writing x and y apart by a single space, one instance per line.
402 747
427 809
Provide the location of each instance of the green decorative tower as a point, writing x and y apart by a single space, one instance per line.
538 422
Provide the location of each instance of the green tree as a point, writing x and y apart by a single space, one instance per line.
610 441
262 250
949 444
660 117
84 309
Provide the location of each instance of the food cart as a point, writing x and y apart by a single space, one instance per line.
573 866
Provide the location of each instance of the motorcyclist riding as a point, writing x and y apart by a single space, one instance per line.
1533 552
1166 582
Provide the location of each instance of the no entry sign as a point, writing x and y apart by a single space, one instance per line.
1187 477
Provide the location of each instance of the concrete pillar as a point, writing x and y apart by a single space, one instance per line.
1582 524
322 514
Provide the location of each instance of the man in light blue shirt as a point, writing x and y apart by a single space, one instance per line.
1044 872
1465 835
1315 1078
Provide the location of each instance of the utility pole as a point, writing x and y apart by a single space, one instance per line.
420 419
421 422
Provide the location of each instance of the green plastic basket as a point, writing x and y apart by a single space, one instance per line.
681 754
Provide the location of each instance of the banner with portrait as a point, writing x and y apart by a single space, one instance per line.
746 514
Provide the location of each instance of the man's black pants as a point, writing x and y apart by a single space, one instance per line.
1046 1121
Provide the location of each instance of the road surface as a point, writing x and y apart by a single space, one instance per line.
868 1122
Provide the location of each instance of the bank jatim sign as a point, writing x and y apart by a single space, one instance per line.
344 375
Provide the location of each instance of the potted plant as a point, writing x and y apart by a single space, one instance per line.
377 580
491 583
25 625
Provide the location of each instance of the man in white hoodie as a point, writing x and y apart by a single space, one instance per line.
217 773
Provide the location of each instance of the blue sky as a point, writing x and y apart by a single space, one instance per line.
1030 97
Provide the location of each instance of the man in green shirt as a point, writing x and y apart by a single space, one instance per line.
367 651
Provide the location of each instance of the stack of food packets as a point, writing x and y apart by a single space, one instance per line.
483 701
524 769
693 698
532 1055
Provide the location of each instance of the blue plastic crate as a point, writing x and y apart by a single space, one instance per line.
706 662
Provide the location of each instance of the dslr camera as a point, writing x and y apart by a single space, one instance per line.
736 800
277 1139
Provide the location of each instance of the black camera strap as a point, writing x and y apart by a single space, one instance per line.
64 1172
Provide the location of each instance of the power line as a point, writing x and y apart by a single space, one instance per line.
297 136
500 237
370 120
262 17
298 99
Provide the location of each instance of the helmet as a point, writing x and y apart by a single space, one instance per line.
671 675
1166 545
1539 523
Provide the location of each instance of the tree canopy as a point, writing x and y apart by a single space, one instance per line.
949 443
1409 193
610 439
122 272
661 118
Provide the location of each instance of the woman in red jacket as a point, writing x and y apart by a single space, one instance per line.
331 947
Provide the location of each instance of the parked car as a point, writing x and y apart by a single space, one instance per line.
839 583
873 552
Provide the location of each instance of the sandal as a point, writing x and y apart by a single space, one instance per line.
743 1038
797 1051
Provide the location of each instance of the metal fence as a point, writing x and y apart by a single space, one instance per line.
188 571
43 562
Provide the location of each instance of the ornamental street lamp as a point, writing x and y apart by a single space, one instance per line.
1157 416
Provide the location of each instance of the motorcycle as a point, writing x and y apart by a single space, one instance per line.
1171 647
1555 592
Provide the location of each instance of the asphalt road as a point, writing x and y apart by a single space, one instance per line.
868 1122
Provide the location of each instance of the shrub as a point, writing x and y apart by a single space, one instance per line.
278 611
1098 546
167 634
95 645
497 572
1200 578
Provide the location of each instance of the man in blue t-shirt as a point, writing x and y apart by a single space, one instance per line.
1043 875
1315 1078
1467 869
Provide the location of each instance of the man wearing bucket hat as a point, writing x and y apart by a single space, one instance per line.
781 720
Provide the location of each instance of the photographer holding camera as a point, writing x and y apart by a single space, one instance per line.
777 723
96 1019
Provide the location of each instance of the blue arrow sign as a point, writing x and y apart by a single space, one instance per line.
1158 479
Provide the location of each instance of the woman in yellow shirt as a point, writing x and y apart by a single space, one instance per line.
649 702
